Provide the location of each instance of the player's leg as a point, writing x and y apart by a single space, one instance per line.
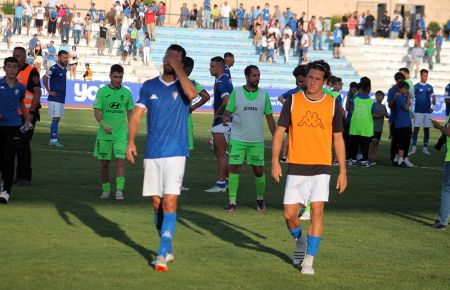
426 133
120 148
255 157
373 148
55 111
8 136
236 159
220 147
103 152
418 122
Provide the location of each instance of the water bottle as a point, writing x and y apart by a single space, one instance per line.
25 128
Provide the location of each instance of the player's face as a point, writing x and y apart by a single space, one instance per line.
64 59
301 82
423 77
253 78
379 98
11 69
20 56
315 81
213 68
116 79
230 61
353 90
404 90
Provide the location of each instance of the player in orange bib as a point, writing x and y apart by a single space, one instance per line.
315 123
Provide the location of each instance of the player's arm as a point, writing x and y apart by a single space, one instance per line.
444 130
99 118
339 147
24 112
222 107
133 127
281 99
34 85
271 124
204 95
268 113
45 80
277 143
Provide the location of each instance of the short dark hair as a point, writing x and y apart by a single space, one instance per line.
227 55
188 62
423 71
402 85
218 59
249 68
10 60
379 93
61 52
178 48
365 84
116 68
300 70
337 80
404 69
322 66
20 48
399 76
353 85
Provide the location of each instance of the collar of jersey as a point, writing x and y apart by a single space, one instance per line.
166 83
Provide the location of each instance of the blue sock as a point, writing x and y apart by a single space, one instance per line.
158 218
54 129
167 231
221 184
426 138
414 139
296 233
313 245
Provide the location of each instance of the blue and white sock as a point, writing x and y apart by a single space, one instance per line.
313 245
167 232
54 130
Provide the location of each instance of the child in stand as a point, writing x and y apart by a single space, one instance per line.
263 47
8 32
378 123
271 46
286 47
87 76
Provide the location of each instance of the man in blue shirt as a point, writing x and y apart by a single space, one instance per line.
222 90
299 74
266 15
425 100
167 101
240 15
438 45
206 14
51 58
422 26
12 94
256 13
337 41
55 83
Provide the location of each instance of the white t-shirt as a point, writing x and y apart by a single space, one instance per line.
271 43
286 43
28 10
225 11
305 40
275 30
318 25
40 13
288 31
264 41
78 23
53 3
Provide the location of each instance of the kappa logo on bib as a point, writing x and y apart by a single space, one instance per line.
311 119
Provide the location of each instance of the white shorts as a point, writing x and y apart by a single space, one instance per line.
55 109
163 175
422 120
306 189
221 129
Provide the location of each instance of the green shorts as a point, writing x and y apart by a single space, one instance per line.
190 132
104 148
254 151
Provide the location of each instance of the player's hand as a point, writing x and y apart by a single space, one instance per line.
341 183
52 93
277 173
436 124
173 58
107 129
131 152
226 120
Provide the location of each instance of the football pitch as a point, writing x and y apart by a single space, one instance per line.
58 234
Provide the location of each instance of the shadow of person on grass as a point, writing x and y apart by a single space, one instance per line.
227 232
413 217
100 225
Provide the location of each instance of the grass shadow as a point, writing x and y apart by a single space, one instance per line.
228 232
102 226
413 217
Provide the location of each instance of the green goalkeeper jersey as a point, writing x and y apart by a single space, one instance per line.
114 104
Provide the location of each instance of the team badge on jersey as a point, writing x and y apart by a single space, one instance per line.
16 91
153 97
174 95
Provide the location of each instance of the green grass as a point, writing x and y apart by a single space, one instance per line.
58 234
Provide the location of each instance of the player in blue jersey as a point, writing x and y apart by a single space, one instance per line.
55 83
167 100
425 100
229 62
299 74
222 90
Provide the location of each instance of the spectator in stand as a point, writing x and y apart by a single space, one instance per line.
27 15
271 40
184 15
87 76
111 37
8 32
304 45
215 15
150 21
368 28
318 34
264 47
206 14
439 40
337 41
162 13
132 31
399 18
18 15
77 22
88 29
66 20
147 48
385 23
1 24
395 27
93 12
429 51
142 8
416 59
73 63
344 28
282 21
61 13
286 46
51 26
361 24
298 33
51 54
193 14
40 15
256 14
38 56
418 37
266 15
33 42
423 27
302 19
352 22
225 11
257 29
311 28
240 15
102 39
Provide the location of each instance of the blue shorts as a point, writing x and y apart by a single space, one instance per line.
225 21
368 31
271 51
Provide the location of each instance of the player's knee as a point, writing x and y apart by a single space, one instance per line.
236 169
258 171
290 217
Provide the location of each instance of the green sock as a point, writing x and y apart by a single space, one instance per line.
106 187
233 184
260 183
120 183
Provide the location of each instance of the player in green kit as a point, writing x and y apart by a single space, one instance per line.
112 108
248 104
204 97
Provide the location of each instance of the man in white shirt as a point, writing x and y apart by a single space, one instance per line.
225 14
40 14
304 45
318 34
28 15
